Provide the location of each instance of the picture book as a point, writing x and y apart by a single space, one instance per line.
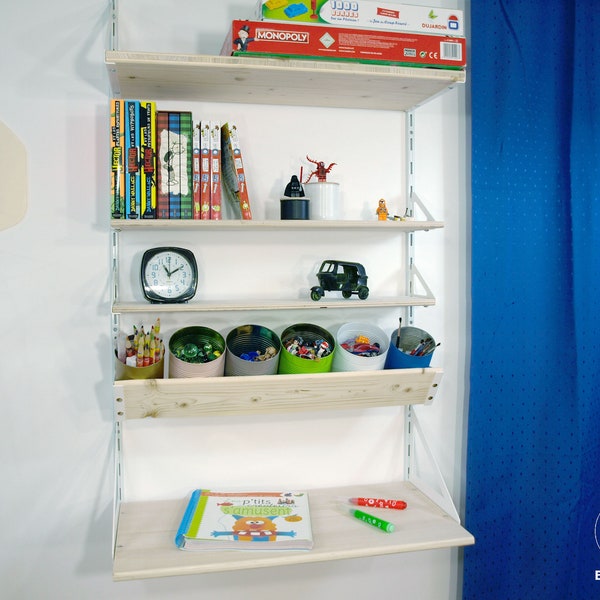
132 147
117 158
215 171
233 173
148 159
217 520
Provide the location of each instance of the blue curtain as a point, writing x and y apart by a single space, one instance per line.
533 457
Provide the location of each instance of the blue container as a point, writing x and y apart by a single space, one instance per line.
410 338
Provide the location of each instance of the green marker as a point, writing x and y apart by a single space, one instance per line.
371 520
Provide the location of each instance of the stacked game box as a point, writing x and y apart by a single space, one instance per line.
327 42
368 14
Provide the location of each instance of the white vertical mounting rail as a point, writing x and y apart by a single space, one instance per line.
113 31
410 208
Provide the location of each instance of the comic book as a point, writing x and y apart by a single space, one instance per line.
215 171
233 172
117 158
132 148
148 159
162 164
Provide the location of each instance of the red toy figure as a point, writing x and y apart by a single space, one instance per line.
321 171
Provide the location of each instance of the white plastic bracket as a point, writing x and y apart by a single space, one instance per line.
437 489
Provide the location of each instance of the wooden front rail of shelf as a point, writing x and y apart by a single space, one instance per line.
211 396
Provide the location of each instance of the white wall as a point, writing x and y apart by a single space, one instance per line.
55 370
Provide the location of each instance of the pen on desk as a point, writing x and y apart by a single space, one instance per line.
378 503
371 520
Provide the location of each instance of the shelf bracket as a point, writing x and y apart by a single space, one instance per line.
415 274
416 200
437 489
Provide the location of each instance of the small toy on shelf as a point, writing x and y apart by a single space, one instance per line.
382 211
294 188
294 205
321 171
338 275
362 346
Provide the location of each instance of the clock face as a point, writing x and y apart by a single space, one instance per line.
169 274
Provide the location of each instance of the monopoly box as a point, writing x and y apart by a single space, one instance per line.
369 14
326 42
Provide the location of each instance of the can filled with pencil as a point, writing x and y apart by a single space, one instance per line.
413 350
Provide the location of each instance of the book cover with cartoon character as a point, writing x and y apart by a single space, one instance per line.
252 521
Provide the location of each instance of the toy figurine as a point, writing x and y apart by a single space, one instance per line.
382 211
294 188
321 171
341 276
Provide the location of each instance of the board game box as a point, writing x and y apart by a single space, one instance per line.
326 42
370 14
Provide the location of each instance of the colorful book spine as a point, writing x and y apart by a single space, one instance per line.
148 159
233 173
173 160
205 171
117 152
132 147
185 164
162 164
215 171
196 170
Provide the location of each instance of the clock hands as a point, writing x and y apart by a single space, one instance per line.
170 273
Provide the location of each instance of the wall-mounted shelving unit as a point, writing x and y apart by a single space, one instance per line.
144 531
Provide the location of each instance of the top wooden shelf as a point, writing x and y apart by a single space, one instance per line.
251 80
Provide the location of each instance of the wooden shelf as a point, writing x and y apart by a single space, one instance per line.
145 545
294 225
238 395
251 80
244 305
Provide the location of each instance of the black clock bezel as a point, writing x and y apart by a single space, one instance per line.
150 294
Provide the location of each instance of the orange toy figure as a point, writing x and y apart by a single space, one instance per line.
254 529
382 211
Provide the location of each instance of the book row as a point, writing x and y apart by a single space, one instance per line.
168 165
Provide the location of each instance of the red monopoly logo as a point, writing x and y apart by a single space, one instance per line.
272 35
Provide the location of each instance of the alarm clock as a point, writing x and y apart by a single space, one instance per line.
169 274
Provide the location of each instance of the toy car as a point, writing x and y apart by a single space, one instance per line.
339 275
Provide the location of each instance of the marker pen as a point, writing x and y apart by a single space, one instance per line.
371 520
378 503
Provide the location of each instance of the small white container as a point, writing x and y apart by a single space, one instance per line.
325 204
346 361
